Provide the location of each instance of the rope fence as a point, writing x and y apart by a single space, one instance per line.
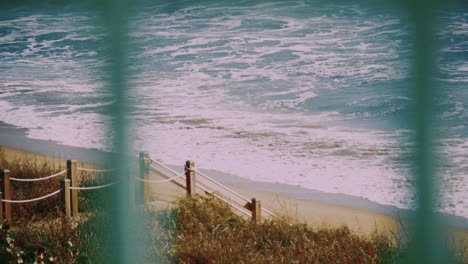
160 181
222 186
40 179
82 188
237 207
34 199
95 170
204 183
69 187
231 191
162 165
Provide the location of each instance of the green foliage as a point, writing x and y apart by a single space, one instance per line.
49 241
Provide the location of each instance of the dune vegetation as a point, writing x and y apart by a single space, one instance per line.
199 229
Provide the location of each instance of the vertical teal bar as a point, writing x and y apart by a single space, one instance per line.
426 243
124 246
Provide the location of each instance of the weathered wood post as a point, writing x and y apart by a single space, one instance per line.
1 208
65 193
72 175
190 177
6 193
143 191
256 208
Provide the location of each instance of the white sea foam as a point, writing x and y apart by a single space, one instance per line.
253 91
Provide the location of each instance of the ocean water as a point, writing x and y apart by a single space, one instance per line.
308 93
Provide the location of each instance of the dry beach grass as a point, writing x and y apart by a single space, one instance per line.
198 229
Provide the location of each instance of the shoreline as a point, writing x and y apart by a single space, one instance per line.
273 194
16 138
330 199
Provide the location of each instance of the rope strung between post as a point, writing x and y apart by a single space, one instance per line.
40 179
268 212
231 191
205 189
162 165
92 187
32 200
160 181
231 203
95 170
222 186
161 172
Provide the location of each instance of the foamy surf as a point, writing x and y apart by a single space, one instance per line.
308 93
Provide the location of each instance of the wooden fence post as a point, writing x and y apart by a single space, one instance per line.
1 208
72 175
256 208
190 179
65 193
6 193
143 191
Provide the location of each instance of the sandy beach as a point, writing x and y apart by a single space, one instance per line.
281 203
315 208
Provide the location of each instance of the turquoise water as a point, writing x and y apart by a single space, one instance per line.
308 93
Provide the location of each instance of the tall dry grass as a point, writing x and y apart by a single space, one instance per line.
209 232
39 232
196 230
29 168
